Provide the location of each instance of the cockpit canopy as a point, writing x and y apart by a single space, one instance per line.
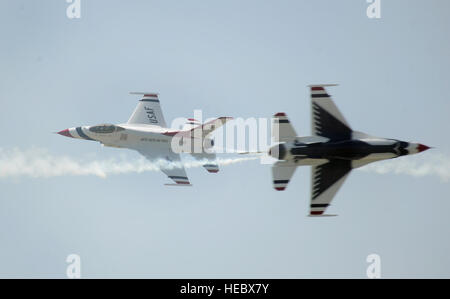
105 129
402 144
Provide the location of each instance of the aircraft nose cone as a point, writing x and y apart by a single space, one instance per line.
422 148
65 133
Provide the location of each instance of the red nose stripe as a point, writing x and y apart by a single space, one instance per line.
422 148
65 133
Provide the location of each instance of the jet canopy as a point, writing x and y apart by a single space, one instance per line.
105 129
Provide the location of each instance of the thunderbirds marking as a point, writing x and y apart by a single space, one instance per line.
146 132
333 150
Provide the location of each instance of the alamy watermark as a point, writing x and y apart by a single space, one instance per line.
374 268
224 135
73 11
374 9
74 268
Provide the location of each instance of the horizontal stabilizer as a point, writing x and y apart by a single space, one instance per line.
282 173
190 124
211 166
282 129
179 185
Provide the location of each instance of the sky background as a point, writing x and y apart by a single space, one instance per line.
234 58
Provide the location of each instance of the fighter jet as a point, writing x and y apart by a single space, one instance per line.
146 132
333 150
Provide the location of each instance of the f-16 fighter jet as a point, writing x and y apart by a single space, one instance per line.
333 150
146 132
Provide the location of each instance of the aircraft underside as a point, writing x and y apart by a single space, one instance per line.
332 151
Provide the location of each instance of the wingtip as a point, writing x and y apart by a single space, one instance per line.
144 93
323 85
321 215
179 185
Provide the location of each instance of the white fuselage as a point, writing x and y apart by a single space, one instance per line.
142 137
132 136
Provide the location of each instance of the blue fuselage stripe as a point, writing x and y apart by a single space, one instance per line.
82 135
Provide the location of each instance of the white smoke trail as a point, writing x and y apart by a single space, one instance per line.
39 163
437 165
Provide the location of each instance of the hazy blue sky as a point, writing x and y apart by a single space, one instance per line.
234 58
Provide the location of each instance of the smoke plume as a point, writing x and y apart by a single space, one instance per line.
40 163
432 164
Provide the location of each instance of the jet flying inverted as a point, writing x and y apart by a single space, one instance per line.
333 150
146 132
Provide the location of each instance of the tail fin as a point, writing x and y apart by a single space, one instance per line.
282 130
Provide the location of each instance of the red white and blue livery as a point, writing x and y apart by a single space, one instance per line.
333 150
147 132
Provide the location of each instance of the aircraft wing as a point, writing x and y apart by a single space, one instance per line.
205 129
327 120
148 111
175 172
326 179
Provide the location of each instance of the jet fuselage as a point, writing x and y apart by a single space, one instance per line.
354 149
135 137
121 136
